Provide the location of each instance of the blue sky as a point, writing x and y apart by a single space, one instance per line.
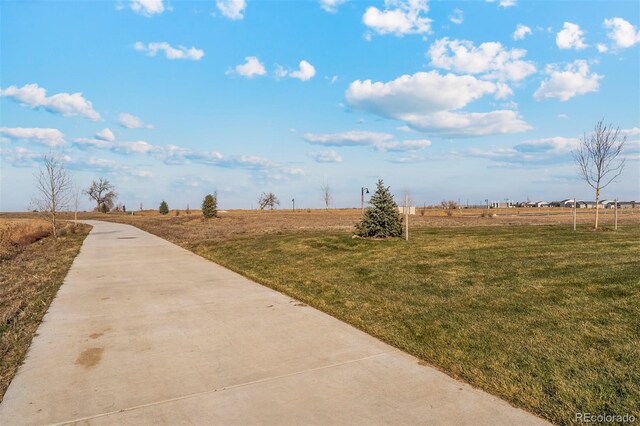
175 99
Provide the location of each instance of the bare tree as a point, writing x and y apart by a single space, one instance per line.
103 193
597 158
327 196
268 200
54 186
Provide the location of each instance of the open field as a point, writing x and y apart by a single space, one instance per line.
518 305
31 272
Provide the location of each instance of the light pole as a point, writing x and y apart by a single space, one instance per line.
362 192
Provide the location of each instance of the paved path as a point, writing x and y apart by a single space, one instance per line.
144 332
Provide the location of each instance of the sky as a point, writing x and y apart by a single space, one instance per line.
172 100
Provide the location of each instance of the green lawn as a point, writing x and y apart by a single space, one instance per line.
541 316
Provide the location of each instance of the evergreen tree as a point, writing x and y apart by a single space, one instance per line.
164 207
210 205
383 219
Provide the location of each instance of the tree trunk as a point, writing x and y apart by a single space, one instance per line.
597 204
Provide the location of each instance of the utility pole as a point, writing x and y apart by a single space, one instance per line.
293 200
406 216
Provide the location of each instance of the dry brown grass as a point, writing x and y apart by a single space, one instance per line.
193 230
16 235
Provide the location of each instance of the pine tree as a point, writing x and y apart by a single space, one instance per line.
383 219
210 205
164 207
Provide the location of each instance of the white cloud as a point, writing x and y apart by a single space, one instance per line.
331 6
232 9
50 137
574 80
147 7
133 147
521 32
623 33
20 157
105 135
570 37
602 48
631 132
130 121
351 138
305 72
399 17
170 52
491 59
504 3
329 156
534 152
457 17
404 146
377 140
67 104
425 101
556 145
251 68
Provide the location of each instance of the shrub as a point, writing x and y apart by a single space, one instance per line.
383 219
164 208
210 205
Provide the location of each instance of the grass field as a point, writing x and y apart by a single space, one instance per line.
31 271
517 305
543 317
521 307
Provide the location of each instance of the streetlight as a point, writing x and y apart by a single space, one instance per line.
362 192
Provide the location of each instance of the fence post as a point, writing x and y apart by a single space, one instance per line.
574 214
615 226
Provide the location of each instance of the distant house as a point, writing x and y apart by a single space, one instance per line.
582 204
628 204
563 203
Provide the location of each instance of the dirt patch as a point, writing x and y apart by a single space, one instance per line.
90 357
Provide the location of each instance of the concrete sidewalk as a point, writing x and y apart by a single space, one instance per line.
144 332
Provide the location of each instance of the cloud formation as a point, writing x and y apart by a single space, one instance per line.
328 156
491 59
571 37
130 121
147 7
564 84
399 17
622 32
52 138
105 135
377 140
170 52
67 104
331 6
457 17
521 32
428 101
305 72
232 9
251 68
